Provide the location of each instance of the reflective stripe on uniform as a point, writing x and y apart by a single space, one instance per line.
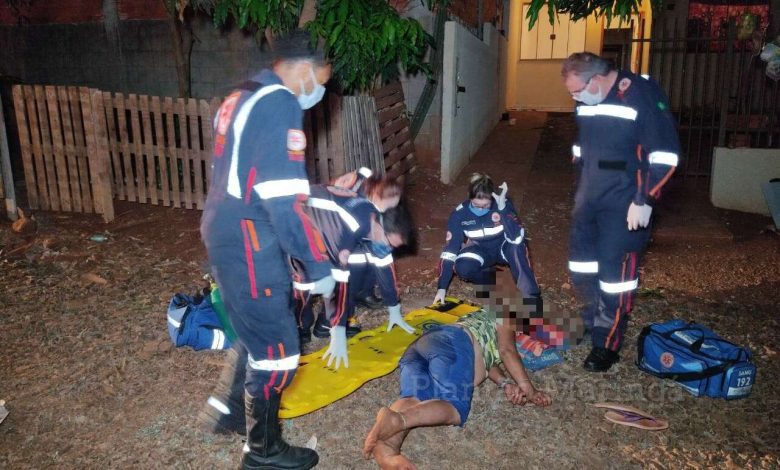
339 275
449 256
380 262
576 151
618 287
486 232
517 240
328 205
472 256
288 363
588 267
234 185
218 405
357 258
612 110
303 286
663 158
281 188
218 341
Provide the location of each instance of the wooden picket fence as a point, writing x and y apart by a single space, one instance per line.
56 129
81 148
160 148
394 132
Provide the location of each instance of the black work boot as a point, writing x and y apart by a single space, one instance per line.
223 413
321 327
267 449
370 301
600 359
353 327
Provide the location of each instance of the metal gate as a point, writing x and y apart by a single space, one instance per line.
718 92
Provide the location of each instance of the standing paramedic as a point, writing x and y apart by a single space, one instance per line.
254 221
627 149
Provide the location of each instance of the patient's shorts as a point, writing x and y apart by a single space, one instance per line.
440 365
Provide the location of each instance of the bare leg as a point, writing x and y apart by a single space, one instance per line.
404 415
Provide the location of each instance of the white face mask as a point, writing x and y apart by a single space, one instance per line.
589 98
307 101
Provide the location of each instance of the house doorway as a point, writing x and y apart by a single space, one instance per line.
616 47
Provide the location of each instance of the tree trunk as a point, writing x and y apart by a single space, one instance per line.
182 45
308 12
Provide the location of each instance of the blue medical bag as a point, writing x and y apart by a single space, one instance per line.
702 362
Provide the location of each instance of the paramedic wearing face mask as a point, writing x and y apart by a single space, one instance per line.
483 232
253 222
626 150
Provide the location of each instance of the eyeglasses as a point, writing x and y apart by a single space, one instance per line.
587 84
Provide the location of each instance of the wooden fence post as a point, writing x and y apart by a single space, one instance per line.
7 181
97 153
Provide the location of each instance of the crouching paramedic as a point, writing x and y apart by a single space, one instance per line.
346 221
253 221
369 263
484 232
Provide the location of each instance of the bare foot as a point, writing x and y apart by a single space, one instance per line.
388 423
389 458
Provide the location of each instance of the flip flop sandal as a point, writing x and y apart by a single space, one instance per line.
628 416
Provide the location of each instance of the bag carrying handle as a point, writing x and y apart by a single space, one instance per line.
696 345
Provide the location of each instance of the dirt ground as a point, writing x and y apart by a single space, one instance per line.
91 380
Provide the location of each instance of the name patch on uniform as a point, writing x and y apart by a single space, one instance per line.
495 217
469 222
296 140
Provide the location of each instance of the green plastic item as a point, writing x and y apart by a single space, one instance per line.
219 307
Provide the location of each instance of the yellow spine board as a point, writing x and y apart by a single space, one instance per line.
372 354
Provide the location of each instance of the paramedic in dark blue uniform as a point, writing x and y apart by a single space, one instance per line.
346 221
627 149
369 263
483 232
254 220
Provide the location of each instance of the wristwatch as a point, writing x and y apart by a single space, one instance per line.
504 382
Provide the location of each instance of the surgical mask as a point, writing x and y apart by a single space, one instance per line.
307 101
381 249
589 98
478 211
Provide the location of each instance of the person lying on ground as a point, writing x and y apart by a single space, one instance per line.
439 372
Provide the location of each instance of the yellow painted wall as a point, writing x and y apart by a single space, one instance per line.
536 84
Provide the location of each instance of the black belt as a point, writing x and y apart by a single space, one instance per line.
612 165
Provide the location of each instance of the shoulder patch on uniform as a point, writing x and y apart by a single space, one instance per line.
225 112
662 106
448 237
624 84
296 140
495 217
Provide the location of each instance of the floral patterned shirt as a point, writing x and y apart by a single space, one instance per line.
482 326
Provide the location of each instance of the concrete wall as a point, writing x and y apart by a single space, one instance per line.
427 144
139 59
737 176
468 117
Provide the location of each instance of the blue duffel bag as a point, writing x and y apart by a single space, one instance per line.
702 362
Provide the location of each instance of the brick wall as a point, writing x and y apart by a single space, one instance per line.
142 62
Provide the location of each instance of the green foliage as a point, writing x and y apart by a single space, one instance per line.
366 39
276 15
579 9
